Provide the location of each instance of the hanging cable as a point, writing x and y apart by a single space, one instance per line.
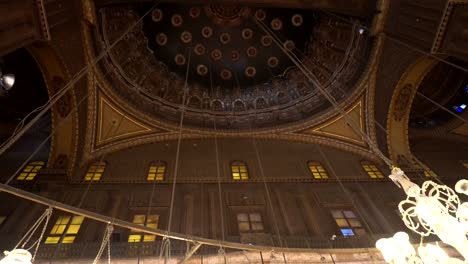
7 144
330 98
218 177
106 240
166 245
101 160
42 144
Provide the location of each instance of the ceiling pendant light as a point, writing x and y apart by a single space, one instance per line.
7 81
17 256
430 209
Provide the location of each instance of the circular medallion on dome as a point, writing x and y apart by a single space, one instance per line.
235 55
202 70
226 74
157 15
207 32
276 24
186 37
225 38
177 20
194 12
297 20
250 71
179 59
161 39
266 40
216 54
247 33
199 49
260 14
273 62
289 45
251 52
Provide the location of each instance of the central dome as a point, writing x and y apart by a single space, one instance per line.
235 69
224 44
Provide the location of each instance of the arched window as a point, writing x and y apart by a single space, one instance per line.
317 170
30 171
157 171
95 171
372 170
65 229
239 171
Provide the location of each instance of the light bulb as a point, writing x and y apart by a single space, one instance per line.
462 187
432 254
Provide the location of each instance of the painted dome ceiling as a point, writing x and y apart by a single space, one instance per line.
237 76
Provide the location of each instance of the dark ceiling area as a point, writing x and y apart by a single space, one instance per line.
447 86
29 91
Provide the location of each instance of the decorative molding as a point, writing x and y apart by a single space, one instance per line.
400 108
64 120
114 124
444 22
339 128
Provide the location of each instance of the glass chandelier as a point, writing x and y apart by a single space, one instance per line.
429 209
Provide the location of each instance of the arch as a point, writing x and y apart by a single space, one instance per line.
56 75
400 109
238 105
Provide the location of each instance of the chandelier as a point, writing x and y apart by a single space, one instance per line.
430 209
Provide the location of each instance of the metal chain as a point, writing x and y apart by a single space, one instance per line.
105 241
48 215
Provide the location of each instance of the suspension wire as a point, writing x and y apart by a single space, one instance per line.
346 191
267 192
100 161
386 35
166 245
260 164
325 93
218 170
38 148
105 242
48 105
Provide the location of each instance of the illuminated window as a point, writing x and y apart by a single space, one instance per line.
30 171
317 170
239 171
348 222
2 219
430 173
65 229
157 171
465 164
372 170
95 171
141 219
250 222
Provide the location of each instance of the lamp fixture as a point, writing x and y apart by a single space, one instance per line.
7 81
430 209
